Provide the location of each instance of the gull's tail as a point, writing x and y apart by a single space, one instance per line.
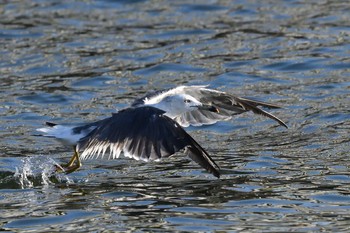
61 132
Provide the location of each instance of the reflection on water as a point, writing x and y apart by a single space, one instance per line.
81 60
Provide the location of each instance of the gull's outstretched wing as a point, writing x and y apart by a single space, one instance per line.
227 104
152 94
143 133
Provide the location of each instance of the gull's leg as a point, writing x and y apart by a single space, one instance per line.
75 158
70 167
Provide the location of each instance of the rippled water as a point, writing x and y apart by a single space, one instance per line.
73 61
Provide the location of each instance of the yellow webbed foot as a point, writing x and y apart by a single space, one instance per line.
73 164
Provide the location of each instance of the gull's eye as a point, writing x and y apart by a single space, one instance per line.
187 101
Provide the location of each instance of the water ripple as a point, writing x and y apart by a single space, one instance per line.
78 61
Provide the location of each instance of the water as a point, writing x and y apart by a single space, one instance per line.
76 61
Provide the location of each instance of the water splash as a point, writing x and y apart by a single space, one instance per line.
39 170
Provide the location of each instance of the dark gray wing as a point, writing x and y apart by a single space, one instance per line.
143 133
86 128
227 104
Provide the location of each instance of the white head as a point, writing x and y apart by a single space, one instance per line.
175 105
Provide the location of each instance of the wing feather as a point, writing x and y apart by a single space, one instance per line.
227 104
143 133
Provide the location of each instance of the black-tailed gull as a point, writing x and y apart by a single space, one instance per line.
151 128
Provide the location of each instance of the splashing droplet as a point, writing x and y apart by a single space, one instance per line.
38 170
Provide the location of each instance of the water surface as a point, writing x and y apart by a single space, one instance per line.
76 61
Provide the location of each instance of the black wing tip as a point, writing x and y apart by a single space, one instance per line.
216 173
250 105
37 135
284 124
200 156
50 124
270 106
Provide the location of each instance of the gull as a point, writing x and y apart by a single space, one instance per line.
152 127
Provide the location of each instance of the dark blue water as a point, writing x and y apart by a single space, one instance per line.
75 61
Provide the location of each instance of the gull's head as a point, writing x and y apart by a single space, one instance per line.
185 101
175 105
